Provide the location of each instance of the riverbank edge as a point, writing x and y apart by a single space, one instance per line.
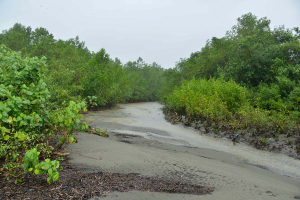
284 144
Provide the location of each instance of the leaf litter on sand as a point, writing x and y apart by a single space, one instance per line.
76 184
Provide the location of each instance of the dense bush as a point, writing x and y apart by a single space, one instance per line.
294 98
44 86
265 62
23 112
145 81
213 99
248 79
105 79
268 97
27 123
226 104
73 73
251 54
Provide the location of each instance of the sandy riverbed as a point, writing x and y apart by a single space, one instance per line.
142 142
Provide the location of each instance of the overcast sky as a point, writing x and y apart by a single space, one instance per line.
161 31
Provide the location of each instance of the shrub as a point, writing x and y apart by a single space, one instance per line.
268 97
25 120
32 164
294 98
214 99
227 104
23 112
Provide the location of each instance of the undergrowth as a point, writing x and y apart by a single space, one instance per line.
26 122
227 105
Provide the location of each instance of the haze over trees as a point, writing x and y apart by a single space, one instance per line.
246 81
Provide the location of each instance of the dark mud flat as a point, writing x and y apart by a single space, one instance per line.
76 184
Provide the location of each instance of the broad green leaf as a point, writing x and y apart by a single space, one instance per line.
10 120
3 130
49 180
55 163
46 166
6 137
50 171
55 176
21 137
4 114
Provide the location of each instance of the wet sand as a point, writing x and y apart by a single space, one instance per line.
142 142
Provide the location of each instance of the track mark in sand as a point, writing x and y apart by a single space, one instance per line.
195 174
125 141
89 157
125 135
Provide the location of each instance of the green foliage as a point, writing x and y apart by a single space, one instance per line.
25 120
208 99
65 60
100 132
248 79
285 86
17 37
145 81
170 79
250 54
39 100
65 70
104 79
265 61
91 102
73 73
23 113
32 164
294 98
268 97
264 141
68 119
226 104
